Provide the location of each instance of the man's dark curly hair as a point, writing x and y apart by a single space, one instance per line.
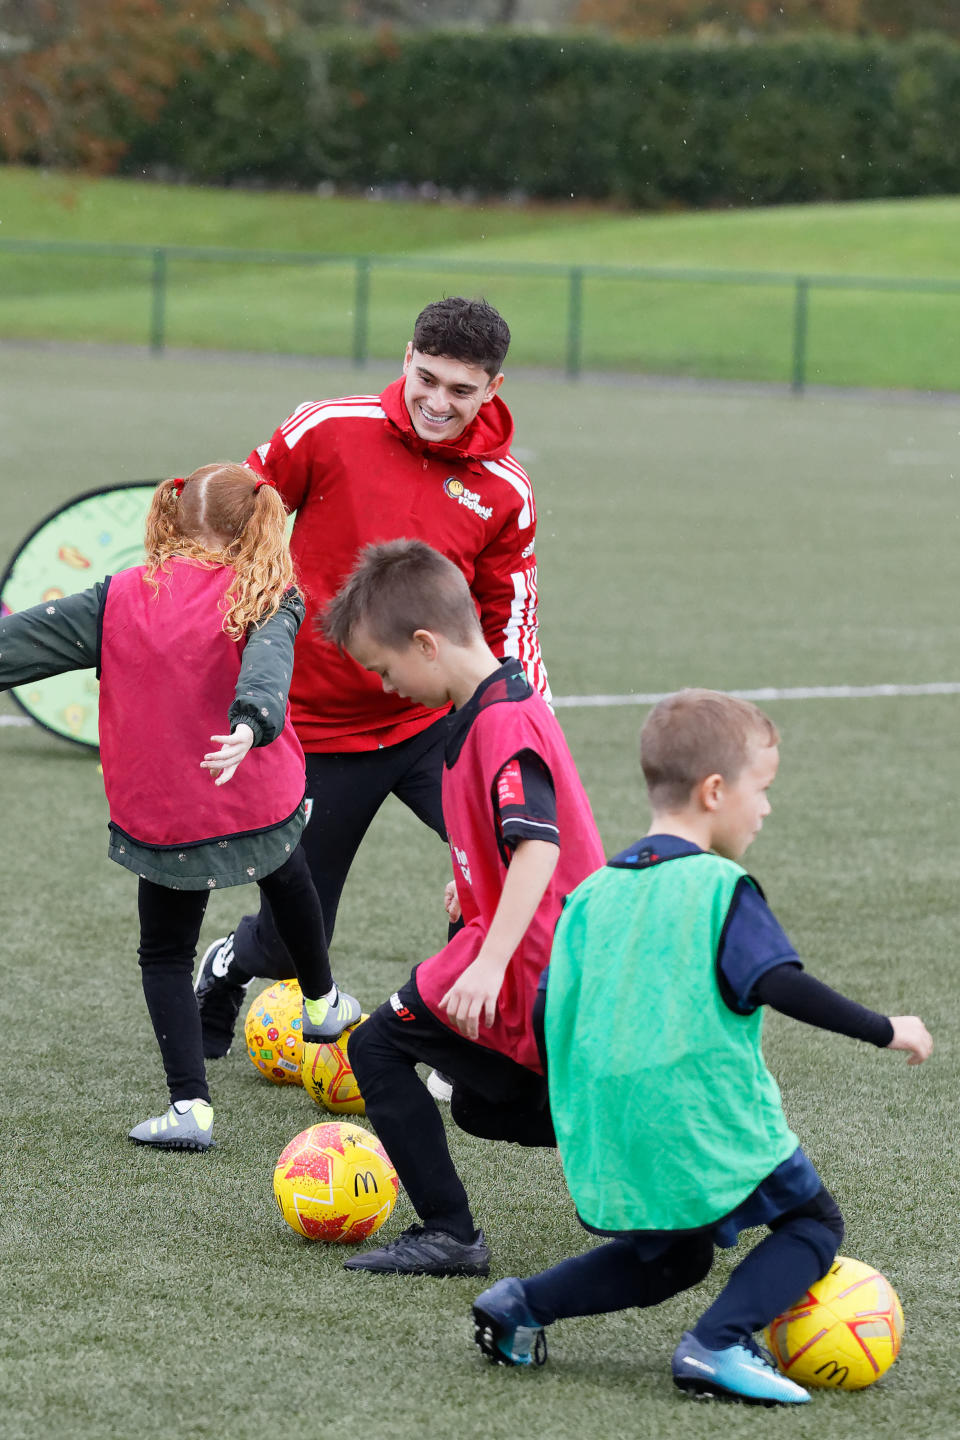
467 330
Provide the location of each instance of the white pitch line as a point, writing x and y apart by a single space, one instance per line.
767 692
770 692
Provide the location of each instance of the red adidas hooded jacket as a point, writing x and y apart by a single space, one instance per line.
357 473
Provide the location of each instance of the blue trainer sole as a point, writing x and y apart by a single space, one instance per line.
708 1390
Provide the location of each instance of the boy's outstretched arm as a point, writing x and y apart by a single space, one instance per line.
796 993
474 996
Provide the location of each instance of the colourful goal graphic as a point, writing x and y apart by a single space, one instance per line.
93 535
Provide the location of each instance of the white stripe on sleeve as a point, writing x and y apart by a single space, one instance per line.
512 473
307 417
520 632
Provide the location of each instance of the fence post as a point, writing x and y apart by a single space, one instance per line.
159 301
575 323
800 335
361 311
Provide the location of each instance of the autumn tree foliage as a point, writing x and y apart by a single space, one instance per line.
71 70
894 19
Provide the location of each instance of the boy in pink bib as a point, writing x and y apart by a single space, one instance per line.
521 836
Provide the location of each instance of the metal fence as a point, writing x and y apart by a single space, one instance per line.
760 325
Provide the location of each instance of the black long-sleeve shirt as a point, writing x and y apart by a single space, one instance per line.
793 992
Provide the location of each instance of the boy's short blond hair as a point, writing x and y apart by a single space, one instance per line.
397 588
696 733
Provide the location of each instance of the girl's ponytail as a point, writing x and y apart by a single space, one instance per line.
161 529
261 559
224 514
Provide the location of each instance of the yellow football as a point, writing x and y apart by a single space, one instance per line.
844 1333
327 1077
274 1029
334 1182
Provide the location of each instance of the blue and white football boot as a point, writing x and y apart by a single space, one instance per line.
740 1372
503 1327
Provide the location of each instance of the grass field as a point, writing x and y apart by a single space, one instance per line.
700 537
731 330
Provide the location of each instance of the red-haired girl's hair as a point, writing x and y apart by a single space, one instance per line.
225 514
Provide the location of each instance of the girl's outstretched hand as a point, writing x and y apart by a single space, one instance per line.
232 750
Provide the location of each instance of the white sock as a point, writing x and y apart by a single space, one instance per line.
182 1106
332 996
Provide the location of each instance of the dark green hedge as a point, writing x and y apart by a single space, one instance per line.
554 116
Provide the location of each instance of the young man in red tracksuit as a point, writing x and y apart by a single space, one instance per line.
521 835
428 458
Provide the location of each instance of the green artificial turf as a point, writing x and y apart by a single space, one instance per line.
740 327
686 537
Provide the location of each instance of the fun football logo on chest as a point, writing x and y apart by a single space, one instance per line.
456 490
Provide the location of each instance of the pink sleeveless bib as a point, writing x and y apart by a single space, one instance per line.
499 732
167 679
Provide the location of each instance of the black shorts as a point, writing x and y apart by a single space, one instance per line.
493 1096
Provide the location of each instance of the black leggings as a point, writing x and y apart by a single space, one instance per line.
170 923
493 1097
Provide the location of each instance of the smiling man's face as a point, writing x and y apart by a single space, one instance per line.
443 395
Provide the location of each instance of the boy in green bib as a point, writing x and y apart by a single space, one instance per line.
678 1142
